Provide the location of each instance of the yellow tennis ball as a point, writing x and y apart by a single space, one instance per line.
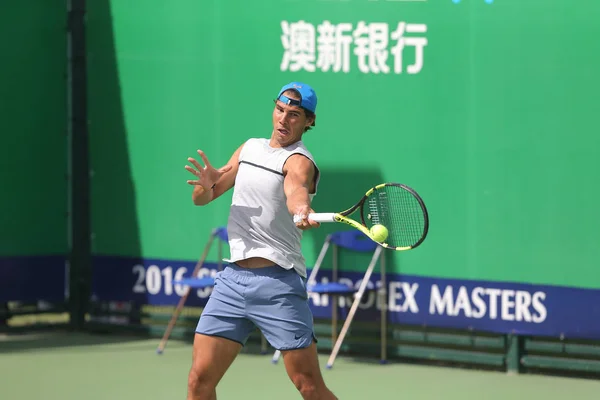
379 232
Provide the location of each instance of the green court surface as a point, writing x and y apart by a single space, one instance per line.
99 367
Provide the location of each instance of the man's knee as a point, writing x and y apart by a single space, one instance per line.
306 385
200 384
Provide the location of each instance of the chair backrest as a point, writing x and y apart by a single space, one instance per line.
221 233
353 240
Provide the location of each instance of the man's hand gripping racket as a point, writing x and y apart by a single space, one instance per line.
391 214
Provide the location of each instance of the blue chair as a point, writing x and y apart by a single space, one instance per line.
352 241
195 282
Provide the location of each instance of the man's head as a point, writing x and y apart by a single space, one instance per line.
294 112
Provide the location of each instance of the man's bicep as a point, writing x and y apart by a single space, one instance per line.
299 172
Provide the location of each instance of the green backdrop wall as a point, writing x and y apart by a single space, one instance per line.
487 110
33 125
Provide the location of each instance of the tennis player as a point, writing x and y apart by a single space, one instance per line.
264 283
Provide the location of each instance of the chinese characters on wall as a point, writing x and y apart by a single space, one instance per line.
378 47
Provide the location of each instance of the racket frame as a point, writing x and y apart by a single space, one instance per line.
343 217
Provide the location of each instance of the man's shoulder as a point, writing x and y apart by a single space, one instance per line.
252 144
257 139
300 148
254 141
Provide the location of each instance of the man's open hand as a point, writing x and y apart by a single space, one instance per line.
206 176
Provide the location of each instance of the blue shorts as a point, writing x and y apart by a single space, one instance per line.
271 299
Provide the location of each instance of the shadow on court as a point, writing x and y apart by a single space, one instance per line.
62 340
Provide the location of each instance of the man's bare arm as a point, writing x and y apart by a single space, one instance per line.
299 183
202 196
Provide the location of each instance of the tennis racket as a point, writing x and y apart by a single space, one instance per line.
396 207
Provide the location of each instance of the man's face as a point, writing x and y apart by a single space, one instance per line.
289 121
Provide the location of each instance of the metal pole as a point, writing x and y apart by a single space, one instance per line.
79 262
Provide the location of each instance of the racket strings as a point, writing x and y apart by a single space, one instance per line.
400 212
374 210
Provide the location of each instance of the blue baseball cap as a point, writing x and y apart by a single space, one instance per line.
308 97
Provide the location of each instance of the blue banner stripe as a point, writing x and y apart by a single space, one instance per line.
31 278
500 307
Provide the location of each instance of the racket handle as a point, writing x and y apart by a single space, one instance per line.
318 217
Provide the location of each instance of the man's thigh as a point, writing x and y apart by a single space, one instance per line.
302 366
278 306
224 315
304 362
211 358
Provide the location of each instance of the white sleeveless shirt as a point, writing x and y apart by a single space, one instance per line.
259 223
